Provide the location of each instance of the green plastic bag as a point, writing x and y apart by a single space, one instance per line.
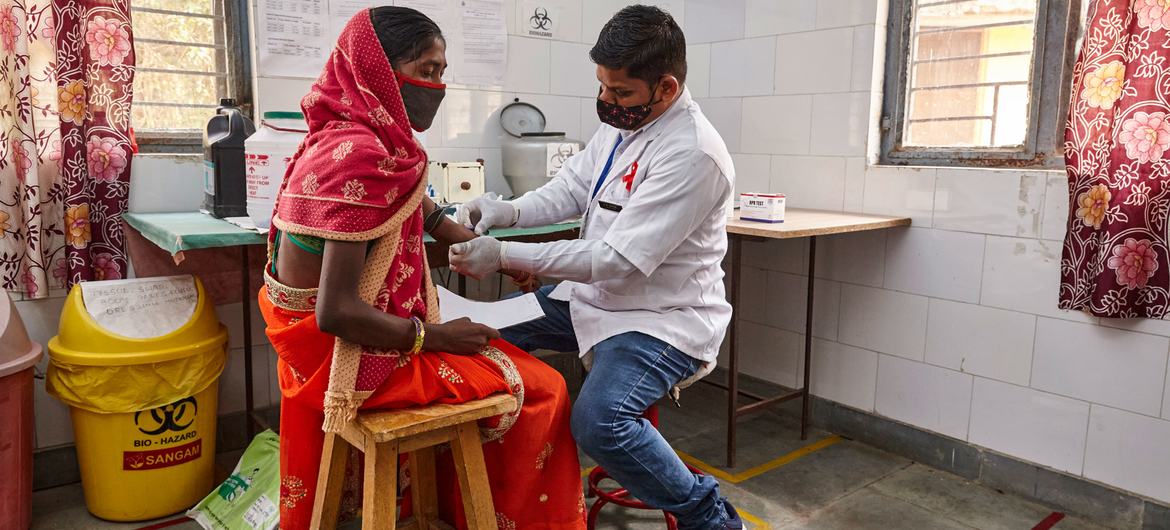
248 499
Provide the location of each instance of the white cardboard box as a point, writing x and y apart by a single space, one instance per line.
762 207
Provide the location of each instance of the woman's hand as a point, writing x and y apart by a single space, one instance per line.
525 281
461 336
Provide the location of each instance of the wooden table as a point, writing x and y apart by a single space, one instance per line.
183 231
797 223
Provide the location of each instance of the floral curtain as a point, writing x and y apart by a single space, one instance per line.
95 74
1115 261
31 191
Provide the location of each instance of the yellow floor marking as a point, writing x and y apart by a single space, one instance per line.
757 523
762 468
586 471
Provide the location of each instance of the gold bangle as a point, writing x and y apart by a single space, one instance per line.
420 333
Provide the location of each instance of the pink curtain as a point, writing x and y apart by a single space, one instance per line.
31 192
1116 151
95 65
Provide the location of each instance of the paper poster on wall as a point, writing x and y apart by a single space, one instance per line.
484 46
293 39
340 11
557 155
540 19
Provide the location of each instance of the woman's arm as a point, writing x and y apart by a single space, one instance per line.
448 232
341 311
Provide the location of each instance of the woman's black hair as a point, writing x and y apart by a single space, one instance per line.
644 40
404 33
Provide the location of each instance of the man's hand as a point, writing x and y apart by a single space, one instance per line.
486 212
476 258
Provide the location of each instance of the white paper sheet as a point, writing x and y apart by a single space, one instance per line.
499 314
484 43
293 38
340 11
141 308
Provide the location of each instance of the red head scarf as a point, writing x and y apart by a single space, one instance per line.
359 176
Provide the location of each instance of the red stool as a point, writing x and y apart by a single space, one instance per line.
621 496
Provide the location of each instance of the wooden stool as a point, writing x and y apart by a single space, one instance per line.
382 436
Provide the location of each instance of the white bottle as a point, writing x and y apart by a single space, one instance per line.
267 154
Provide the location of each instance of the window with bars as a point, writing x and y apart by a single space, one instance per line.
977 82
190 54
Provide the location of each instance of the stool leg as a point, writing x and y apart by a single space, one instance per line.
473 481
380 487
422 487
330 482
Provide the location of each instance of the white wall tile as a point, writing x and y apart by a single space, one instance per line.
1055 208
589 120
753 173
1101 365
699 70
528 65
840 124
863 44
1166 396
1152 326
1007 203
166 183
844 374
771 354
773 17
783 255
883 321
1024 275
837 13
777 125
786 307
572 72
753 294
924 395
597 12
984 341
714 20
935 263
859 257
231 317
726 115
1036 426
231 382
816 182
815 62
472 118
1130 451
41 318
743 67
561 113
51 417
900 191
275 94
854 184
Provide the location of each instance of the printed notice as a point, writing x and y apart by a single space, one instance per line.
540 19
340 11
293 38
485 43
141 308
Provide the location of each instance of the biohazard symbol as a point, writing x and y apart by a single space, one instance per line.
540 19
176 416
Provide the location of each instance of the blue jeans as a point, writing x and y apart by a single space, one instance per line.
630 373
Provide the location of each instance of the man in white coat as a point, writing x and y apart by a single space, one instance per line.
642 289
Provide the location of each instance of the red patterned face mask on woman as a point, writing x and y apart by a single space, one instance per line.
625 118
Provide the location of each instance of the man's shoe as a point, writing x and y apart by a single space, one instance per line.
733 521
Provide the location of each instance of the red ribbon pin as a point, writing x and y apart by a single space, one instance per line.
629 179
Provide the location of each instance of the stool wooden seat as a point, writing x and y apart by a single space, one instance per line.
382 436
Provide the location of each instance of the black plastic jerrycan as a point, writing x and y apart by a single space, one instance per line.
224 176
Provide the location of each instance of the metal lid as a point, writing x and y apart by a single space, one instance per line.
518 118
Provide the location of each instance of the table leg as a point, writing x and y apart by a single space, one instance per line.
733 347
808 337
462 285
246 307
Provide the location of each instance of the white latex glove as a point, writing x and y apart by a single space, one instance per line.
486 212
476 258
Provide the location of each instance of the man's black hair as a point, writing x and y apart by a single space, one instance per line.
644 40
404 33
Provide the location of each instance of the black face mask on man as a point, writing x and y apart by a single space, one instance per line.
625 118
421 100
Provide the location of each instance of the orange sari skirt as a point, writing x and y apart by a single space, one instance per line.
533 469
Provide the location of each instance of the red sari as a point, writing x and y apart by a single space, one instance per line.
358 176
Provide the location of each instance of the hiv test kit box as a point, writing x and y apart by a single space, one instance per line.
762 207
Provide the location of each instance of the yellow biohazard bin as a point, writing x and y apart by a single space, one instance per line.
138 363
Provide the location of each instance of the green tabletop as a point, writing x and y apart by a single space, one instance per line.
176 232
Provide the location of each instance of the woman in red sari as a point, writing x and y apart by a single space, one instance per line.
348 300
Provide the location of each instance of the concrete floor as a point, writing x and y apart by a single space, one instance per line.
832 484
